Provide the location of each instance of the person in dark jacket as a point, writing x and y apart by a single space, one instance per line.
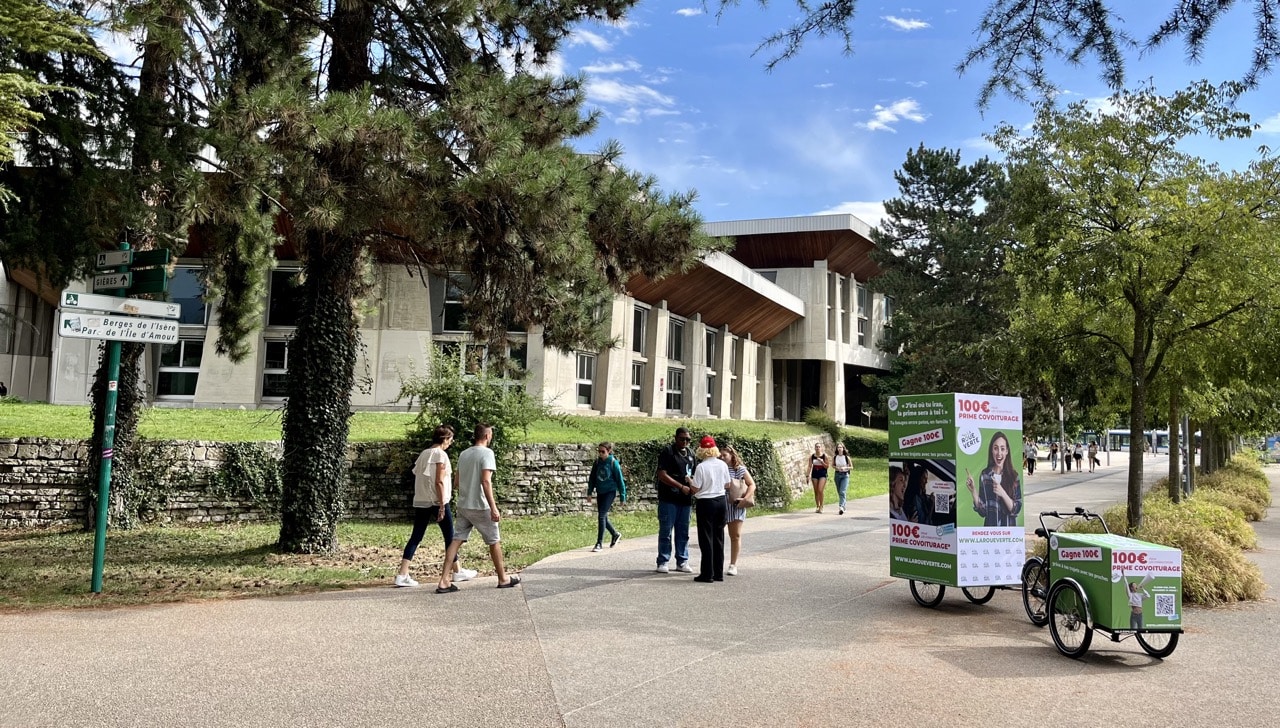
674 485
607 483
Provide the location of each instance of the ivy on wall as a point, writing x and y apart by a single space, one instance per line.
249 472
140 489
640 465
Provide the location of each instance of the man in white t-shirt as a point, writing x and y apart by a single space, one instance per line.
432 491
476 508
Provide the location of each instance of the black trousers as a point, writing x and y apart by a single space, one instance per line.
713 513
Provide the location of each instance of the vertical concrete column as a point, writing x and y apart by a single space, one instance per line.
613 364
764 382
722 398
536 381
660 321
695 333
744 389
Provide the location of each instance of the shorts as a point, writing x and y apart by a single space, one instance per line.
465 519
818 474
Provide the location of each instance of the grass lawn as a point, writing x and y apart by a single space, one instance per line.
152 565
235 425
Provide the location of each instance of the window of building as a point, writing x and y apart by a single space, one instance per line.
179 369
675 390
639 328
275 369
862 315
711 348
733 357
711 388
285 300
675 340
888 310
455 316
769 275
637 383
586 378
187 290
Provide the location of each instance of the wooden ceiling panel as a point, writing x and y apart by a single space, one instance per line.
845 251
720 301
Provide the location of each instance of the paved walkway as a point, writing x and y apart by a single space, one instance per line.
812 633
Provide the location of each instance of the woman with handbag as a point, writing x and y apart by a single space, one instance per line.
742 495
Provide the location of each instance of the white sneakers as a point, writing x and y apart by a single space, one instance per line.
465 574
663 569
685 568
596 548
405 580
732 570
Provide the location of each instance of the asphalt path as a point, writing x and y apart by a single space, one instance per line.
812 632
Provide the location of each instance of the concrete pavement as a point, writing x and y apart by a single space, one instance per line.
811 633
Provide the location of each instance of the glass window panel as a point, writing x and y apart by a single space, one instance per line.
285 301
675 341
169 354
192 351
277 355
187 290
639 326
176 384
273 384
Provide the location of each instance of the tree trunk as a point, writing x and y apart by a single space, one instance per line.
322 360
1175 461
1137 419
1192 426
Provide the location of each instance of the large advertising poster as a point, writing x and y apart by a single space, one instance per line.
991 540
955 489
922 488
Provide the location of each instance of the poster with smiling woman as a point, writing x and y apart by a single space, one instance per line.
955 489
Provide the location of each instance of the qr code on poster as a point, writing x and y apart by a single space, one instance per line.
1166 605
941 503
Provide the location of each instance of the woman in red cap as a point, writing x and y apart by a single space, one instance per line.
710 484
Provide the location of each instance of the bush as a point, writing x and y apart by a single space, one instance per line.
1242 477
451 396
818 418
864 443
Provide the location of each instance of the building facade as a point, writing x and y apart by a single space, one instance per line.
782 323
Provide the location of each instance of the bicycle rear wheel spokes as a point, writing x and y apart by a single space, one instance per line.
927 594
1069 619
979 594
1158 644
1035 590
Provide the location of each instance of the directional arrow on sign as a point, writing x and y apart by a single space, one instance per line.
115 304
112 281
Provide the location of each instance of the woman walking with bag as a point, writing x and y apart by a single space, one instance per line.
843 465
742 495
606 481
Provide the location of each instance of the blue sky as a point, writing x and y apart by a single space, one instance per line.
824 132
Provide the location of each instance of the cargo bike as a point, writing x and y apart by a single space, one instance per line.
1103 582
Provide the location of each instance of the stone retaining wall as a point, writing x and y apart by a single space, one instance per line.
45 482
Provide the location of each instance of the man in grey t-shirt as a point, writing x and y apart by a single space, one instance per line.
476 508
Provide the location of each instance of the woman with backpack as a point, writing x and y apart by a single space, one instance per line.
606 481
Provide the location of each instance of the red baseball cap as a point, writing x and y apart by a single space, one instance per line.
707 441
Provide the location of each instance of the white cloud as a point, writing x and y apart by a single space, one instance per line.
903 109
917 84
609 91
823 85
612 67
1270 125
869 212
689 12
907 24
595 40
820 146
980 143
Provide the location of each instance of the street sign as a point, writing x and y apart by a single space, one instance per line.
149 258
112 281
149 280
113 304
80 325
114 258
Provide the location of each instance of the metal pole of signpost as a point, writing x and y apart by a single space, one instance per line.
108 450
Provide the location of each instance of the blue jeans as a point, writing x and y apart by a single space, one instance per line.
673 515
604 501
842 486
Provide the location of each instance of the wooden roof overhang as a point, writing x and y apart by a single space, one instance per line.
843 241
725 293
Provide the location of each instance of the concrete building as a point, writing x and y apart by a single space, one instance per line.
782 323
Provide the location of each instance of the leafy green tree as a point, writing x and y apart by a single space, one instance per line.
425 135
942 250
1141 244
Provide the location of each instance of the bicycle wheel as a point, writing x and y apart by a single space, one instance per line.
926 593
1158 644
1069 619
1035 590
977 595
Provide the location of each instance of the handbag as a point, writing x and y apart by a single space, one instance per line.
737 489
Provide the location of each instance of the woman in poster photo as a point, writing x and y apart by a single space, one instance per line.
999 495
897 493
